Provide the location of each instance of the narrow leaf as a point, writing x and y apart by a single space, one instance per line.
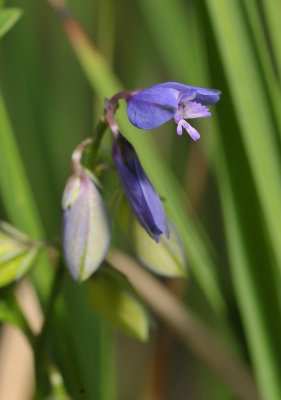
252 112
16 194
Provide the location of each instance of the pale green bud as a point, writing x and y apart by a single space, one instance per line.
86 229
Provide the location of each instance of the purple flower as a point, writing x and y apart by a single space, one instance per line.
152 107
141 195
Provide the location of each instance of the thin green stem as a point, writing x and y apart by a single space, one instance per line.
93 149
41 344
40 347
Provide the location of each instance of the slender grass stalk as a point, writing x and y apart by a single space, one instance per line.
257 327
17 197
272 11
15 190
268 70
93 149
186 325
40 347
252 112
248 297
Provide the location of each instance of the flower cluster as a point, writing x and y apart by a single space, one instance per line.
86 231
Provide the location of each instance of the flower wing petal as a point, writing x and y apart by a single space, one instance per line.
204 96
152 107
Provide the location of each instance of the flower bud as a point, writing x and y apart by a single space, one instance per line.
86 229
141 195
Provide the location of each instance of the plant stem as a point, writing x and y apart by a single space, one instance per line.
41 344
92 150
40 347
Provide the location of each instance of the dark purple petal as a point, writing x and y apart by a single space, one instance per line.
152 107
204 96
142 197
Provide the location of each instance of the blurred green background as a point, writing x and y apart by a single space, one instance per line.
223 192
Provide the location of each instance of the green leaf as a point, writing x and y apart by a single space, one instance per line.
255 312
254 117
115 300
271 10
87 366
8 314
15 267
17 197
10 311
17 253
8 18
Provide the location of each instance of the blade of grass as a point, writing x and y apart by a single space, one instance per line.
17 197
22 211
272 12
186 325
174 17
104 82
82 366
264 59
252 112
252 305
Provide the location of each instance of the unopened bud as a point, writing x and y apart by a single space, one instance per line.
141 195
86 229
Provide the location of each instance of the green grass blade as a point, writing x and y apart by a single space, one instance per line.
272 11
252 112
255 309
15 189
259 327
16 194
82 342
264 56
173 17
95 67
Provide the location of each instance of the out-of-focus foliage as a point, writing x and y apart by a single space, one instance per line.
17 253
8 17
232 244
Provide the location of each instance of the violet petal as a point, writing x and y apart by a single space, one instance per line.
142 197
204 96
152 107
